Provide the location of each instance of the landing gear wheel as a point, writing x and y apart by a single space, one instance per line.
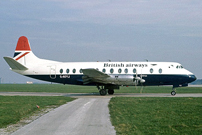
173 93
103 92
110 92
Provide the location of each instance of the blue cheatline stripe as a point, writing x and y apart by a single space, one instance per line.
150 80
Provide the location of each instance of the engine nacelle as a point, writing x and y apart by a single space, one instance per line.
124 80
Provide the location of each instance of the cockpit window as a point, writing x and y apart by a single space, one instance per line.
179 67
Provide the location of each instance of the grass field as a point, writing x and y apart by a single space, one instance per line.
14 108
139 115
144 115
90 89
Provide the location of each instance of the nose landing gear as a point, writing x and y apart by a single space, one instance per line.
173 93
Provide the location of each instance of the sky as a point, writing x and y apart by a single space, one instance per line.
102 30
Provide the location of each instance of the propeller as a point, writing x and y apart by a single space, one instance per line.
138 80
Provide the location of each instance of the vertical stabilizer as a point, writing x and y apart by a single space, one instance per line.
23 53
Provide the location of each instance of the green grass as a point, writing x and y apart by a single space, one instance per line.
90 89
143 115
14 108
58 88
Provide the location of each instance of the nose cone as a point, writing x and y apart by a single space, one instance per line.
192 78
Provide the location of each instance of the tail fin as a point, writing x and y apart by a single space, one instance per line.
23 53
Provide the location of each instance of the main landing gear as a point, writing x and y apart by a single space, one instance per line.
173 93
103 91
110 91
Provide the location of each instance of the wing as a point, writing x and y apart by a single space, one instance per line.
93 75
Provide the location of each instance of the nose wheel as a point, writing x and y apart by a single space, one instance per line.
173 93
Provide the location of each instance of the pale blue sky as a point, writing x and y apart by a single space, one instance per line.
94 30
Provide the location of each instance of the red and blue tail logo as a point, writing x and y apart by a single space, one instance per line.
22 48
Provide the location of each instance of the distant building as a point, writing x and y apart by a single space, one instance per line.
29 82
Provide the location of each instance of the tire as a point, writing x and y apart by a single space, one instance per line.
110 91
173 93
103 92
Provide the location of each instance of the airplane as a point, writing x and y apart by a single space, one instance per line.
107 76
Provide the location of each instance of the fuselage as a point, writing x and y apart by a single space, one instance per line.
121 73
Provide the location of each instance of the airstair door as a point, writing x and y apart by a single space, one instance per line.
53 72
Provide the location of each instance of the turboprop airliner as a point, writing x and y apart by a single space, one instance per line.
107 76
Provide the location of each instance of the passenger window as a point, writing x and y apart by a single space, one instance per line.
151 70
126 70
74 70
111 70
80 71
67 71
134 70
160 70
119 70
103 70
61 71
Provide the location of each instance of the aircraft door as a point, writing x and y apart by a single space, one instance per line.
53 72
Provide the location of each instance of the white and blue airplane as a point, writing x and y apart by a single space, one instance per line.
107 76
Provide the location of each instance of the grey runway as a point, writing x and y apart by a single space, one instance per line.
84 116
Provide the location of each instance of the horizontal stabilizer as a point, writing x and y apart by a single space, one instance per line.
14 64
